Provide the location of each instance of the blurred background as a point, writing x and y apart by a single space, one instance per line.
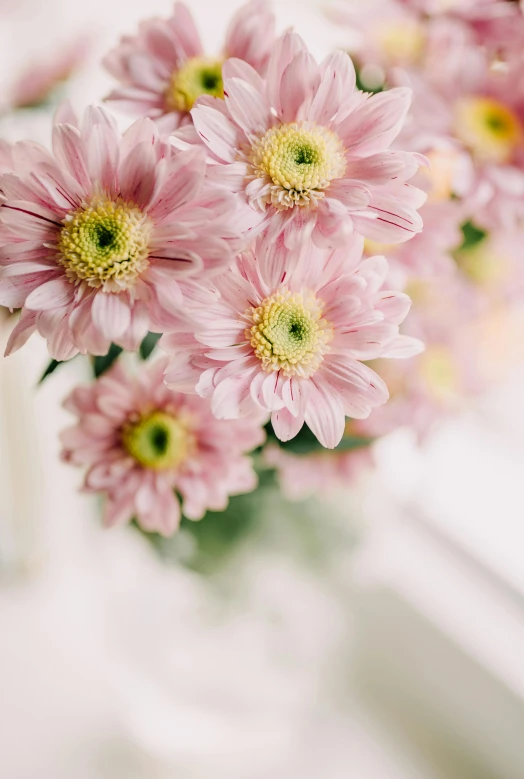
375 632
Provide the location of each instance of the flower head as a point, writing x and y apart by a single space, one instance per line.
308 151
95 239
288 335
142 442
163 69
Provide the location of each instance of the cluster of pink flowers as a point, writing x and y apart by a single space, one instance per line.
244 215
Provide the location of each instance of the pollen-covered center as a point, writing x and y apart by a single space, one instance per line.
489 128
159 441
105 243
288 333
198 76
299 160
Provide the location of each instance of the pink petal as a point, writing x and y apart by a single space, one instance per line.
285 49
248 108
216 130
298 85
24 328
14 291
229 397
111 314
285 425
374 124
52 294
325 415
70 150
185 175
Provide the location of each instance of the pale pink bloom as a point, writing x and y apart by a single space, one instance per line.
95 238
441 381
381 34
164 68
301 476
38 81
478 110
141 442
289 335
308 151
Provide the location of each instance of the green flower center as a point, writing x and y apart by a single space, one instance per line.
288 333
105 243
158 441
299 160
198 76
490 128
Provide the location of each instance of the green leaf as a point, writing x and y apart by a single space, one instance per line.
473 235
148 344
102 364
51 368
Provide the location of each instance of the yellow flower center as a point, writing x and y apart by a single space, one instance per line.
158 441
402 43
105 243
439 373
299 160
288 333
483 264
490 129
198 76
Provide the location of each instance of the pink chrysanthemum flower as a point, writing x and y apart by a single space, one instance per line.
478 109
141 442
319 473
308 151
288 335
164 69
95 238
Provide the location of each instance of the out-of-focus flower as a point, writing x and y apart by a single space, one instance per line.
140 442
451 319
164 69
36 84
288 335
301 476
95 238
478 109
386 33
494 267
308 151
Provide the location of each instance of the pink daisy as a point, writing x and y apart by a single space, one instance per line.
142 443
95 237
288 335
479 109
164 69
308 151
301 476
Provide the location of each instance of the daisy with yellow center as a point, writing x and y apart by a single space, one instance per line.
153 449
489 128
288 333
163 69
294 349
299 161
105 243
158 440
